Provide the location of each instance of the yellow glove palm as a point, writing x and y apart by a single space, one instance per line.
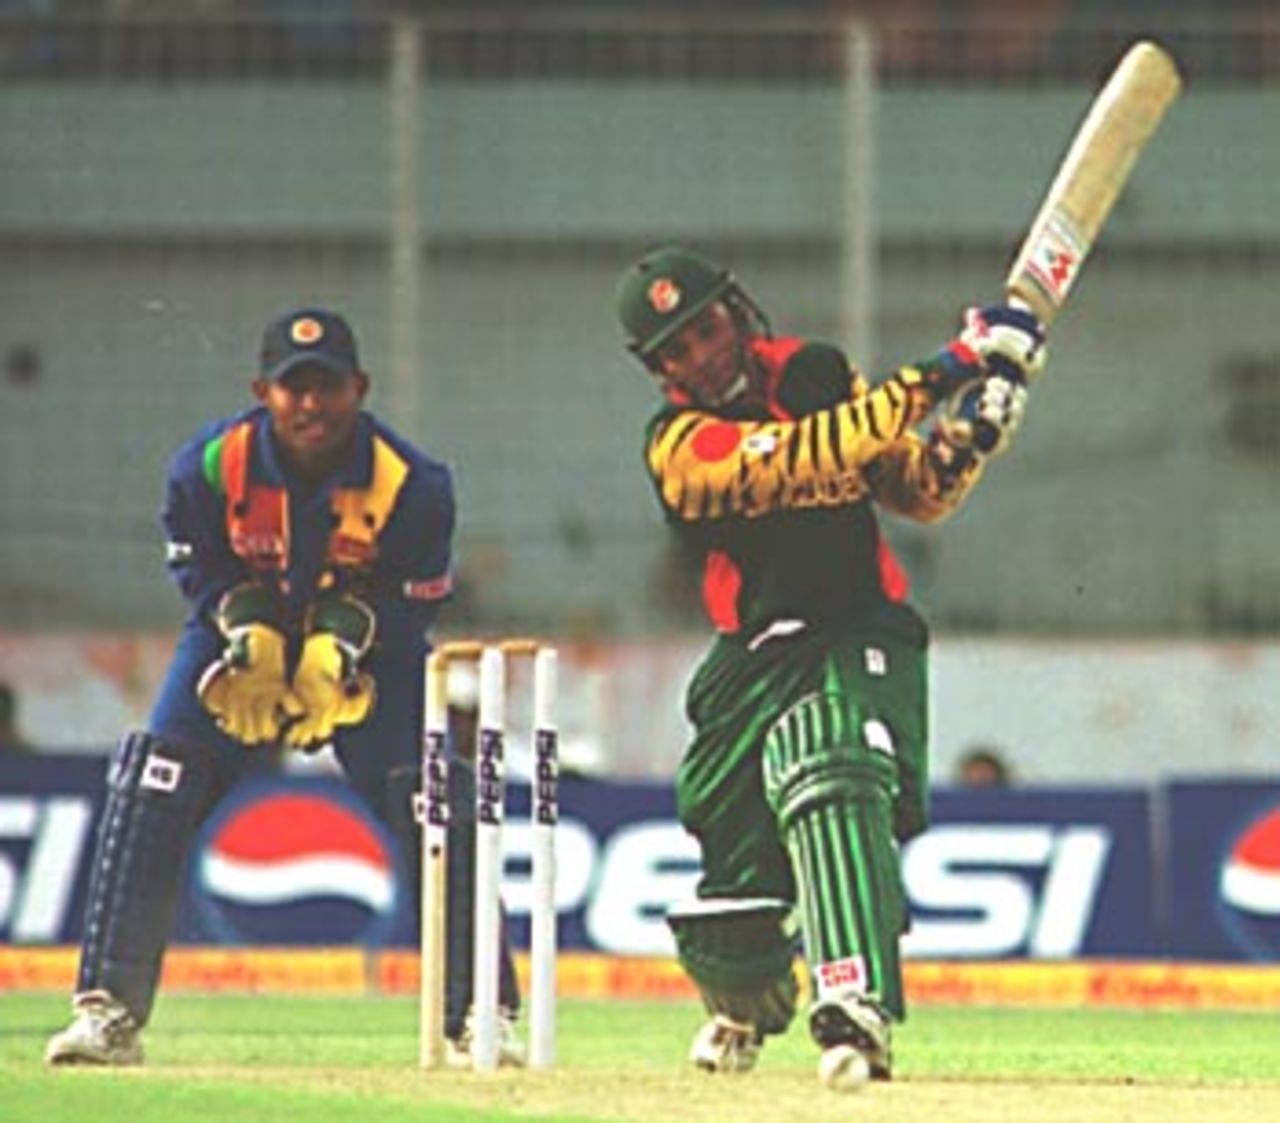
330 690
246 690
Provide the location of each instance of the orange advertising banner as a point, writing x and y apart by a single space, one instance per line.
584 975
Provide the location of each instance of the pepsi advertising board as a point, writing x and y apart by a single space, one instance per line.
1042 873
294 862
48 809
1225 854
1023 873
301 861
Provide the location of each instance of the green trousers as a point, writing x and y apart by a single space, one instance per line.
879 677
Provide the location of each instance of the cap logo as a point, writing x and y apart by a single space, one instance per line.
305 331
665 295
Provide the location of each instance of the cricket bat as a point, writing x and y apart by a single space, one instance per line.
1101 158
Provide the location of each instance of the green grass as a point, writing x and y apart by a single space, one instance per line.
344 1060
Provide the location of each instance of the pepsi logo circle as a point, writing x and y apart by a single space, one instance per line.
1249 886
297 863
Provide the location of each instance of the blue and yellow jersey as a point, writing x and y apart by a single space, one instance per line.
776 500
379 527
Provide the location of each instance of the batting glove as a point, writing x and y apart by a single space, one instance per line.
984 416
1008 341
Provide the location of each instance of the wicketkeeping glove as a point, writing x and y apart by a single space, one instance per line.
328 683
245 687
1008 341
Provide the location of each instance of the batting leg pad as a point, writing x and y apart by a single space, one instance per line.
403 786
156 795
740 954
831 784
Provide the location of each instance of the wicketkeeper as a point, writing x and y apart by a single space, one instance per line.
312 544
808 763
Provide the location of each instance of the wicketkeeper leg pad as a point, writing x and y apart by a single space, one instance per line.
156 795
831 780
740 953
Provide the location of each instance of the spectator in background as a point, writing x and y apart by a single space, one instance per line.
11 738
983 766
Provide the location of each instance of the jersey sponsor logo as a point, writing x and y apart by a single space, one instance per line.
664 296
295 859
837 491
1249 886
257 548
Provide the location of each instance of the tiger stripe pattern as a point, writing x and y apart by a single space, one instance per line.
710 467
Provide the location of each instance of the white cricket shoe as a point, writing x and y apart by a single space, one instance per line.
725 1045
510 1047
102 1032
853 1033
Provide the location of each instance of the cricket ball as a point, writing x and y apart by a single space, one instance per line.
843 1069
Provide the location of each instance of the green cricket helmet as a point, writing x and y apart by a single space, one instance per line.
663 291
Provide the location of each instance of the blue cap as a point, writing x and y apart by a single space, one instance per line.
309 337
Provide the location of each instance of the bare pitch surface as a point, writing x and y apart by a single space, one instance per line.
278 1058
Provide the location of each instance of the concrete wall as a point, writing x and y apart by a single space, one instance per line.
148 233
1077 712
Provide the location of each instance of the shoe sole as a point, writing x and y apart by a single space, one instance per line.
460 1059
740 1064
68 1060
715 1070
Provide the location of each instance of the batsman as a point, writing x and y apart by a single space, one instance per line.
771 458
